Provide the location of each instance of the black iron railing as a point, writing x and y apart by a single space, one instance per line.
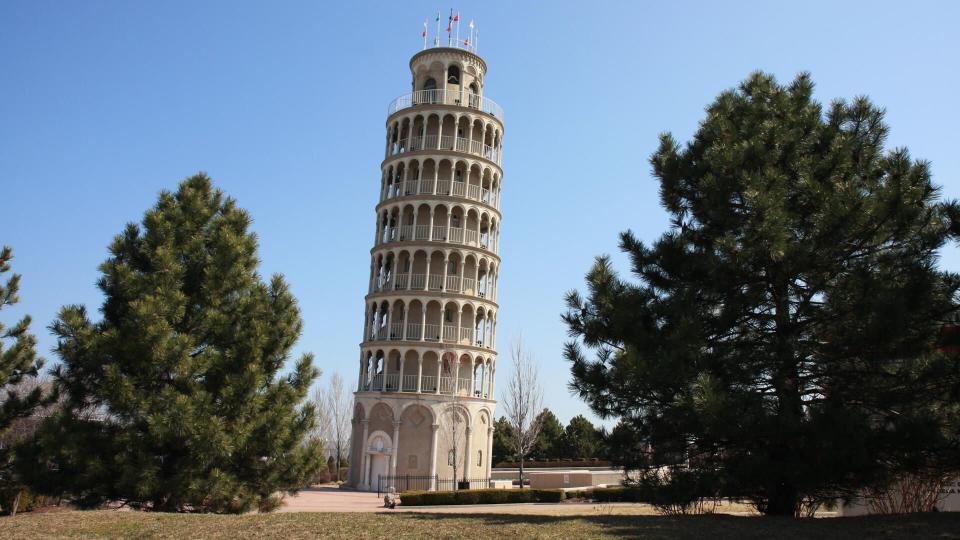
412 482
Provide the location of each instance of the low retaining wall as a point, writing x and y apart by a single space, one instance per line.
949 502
563 478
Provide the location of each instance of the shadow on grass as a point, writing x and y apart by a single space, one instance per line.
944 525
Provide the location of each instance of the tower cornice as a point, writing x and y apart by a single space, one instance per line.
448 53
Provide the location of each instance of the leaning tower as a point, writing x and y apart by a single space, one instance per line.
424 405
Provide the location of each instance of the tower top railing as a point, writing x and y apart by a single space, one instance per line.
471 35
446 97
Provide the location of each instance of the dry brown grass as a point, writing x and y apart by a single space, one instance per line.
106 524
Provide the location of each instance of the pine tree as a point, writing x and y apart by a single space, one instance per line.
502 435
18 364
549 443
581 439
175 401
782 334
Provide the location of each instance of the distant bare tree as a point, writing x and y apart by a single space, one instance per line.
523 402
338 412
453 423
322 429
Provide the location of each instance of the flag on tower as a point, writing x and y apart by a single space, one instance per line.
424 34
450 22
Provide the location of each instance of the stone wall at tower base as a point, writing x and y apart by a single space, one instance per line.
399 434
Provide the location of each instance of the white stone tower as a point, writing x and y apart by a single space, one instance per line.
424 405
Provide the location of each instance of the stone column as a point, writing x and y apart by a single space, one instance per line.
433 454
360 374
468 454
439 359
492 373
363 452
473 377
470 141
457 337
423 320
443 284
396 447
393 265
386 366
489 450
419 373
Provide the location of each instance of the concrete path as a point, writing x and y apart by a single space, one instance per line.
332 499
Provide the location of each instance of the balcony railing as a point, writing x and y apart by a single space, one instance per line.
428 384
441 233
446 142
424 186
448 333
416 282
446 97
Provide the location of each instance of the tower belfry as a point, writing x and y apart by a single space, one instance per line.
424 404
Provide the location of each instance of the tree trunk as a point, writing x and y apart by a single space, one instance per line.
521 471
338 465
16 503
782 496
782 500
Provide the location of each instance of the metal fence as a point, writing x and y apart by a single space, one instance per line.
411 482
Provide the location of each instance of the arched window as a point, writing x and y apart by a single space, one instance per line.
430 84
474 100
453 75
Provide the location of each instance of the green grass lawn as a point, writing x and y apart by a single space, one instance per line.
103 524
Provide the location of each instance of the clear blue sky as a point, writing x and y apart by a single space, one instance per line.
104 103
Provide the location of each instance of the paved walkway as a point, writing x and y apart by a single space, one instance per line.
332 499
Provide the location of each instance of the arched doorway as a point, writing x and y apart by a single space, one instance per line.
379 449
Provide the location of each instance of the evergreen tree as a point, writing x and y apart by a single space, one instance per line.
782 335
18 364
581 439
502 435
174 398
550 439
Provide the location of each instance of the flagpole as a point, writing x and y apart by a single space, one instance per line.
458 29
424 34
436 37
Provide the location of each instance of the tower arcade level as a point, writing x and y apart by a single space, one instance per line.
428 353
